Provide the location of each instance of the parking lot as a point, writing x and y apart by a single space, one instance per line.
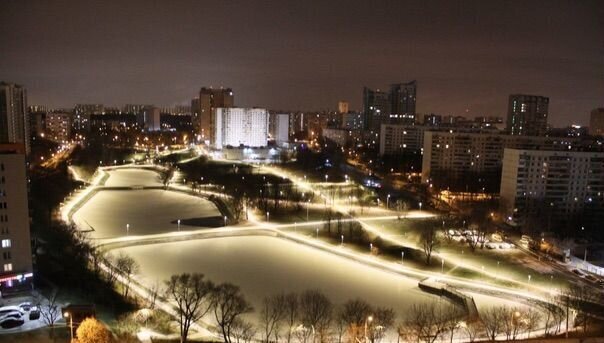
18 323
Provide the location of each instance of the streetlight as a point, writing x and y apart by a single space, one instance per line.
342 239
317 232
127 229
369 319
370 247
388 201
420 206
307 206
68 315
225 220
267 216
178 223
326 177
529 278
402 257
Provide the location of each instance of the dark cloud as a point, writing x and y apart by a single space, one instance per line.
466 55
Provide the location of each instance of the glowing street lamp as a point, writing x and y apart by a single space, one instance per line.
268 216
178 223
127 229
420 205
225 220
388 201
402 257
68 315
342 239
317 232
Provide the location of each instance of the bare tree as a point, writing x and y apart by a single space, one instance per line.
492 320
272 314
127 266
429 240
581 298
154 292
316 312
49 309
291 307
424 323
382 320
191 293
228 304
532 320
353 314
242 331
473 329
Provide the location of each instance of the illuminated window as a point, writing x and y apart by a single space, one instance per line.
8 267
6 243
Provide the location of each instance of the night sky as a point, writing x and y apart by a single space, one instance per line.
467 56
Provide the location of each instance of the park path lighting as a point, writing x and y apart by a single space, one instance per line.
529 278
268 216
402 257
68 315
317 233
420 206
225 220
388 202
368 320
370 247
127 229
178 224
342 239
326 177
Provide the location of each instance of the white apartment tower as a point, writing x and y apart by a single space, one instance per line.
237 127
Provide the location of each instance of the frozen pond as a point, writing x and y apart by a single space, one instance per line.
263 266
146 212
131 177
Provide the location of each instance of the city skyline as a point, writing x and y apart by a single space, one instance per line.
449 48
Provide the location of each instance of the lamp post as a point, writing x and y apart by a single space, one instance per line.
342 239
369 319
68 315
127 229
178 223
420 206
267 216
225 220
529 278
370 247
388 201
402 257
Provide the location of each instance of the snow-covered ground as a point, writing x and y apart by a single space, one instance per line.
131 177
263 266
146 211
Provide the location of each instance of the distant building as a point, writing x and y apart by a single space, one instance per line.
58 126
464 161
352 121
149 119
203 106
281 128
376 108
135 108
432 120
402 102
237 127
596 122
82 114
14 120
343 107
527 115
16 265
549 186
400 139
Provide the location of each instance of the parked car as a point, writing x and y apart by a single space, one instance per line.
34 313
9 323
12 314
6 309
492 245
578 273
26 306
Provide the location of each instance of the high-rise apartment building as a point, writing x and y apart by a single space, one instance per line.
14 120
552 185
83 113
203 106
527 115
596 122
402 102
376 108
58 126
15 246
149 118
237 127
